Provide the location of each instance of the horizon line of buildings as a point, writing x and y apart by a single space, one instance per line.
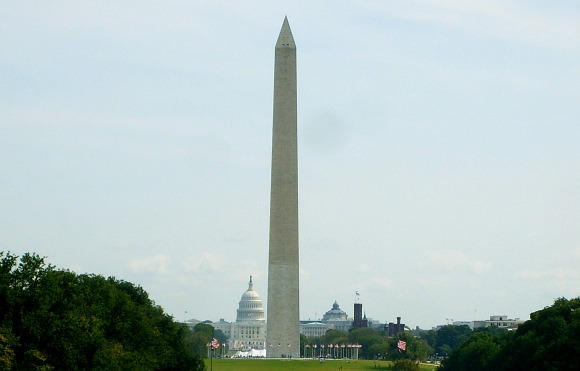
250 329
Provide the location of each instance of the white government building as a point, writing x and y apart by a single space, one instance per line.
249 330
501 321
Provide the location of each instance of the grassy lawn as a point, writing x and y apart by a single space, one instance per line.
275 365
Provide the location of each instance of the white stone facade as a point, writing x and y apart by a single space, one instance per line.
249 330
311 329
501 321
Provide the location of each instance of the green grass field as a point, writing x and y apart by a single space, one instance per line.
288 365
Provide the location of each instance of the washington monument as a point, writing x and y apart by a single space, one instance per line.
283 334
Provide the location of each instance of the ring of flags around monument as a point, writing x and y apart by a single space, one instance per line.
332 350
333 346
401 345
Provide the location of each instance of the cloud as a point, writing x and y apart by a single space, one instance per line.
561 280
383 283
206 262
454 260
551 274
363 268
157 265
478 76
132 136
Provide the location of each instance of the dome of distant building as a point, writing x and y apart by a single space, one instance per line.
249 330
335 314
251 307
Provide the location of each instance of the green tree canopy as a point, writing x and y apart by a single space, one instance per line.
477 354
417 349
450 337
550 340
405 365
56 319
366 337
335 336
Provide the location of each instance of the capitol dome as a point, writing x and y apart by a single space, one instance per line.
251 307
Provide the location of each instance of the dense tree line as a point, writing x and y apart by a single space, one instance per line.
203 334
446 339
53 319
550 340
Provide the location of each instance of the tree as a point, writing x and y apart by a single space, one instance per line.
379 349
405 365
366 337
550 340
450 337
202 336
303 342
416 349
335 336
477 354
7 343
56 319
430 336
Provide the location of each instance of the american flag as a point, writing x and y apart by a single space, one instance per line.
402 345
215 343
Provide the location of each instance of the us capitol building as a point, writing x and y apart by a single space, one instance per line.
249 330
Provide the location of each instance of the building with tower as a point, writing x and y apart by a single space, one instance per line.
393 329
360 319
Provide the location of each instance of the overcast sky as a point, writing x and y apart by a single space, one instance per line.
439 150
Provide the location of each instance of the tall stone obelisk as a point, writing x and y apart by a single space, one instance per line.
283 333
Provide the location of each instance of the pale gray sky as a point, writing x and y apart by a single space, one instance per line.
439 150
